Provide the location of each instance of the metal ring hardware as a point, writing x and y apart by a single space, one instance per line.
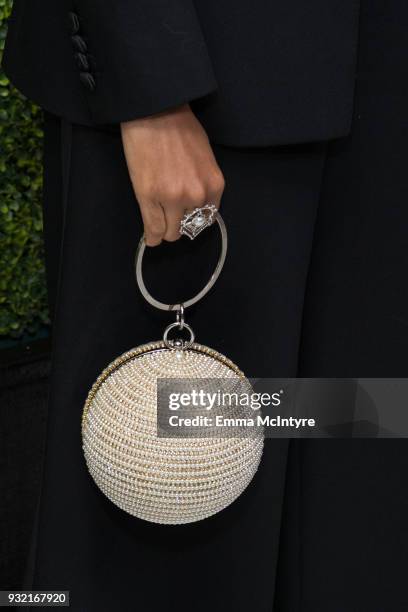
180 307
178 343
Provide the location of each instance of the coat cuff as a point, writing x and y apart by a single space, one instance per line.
138 57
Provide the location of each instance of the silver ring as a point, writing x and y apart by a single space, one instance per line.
184 344
161 305
195 221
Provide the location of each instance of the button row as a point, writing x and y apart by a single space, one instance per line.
81 53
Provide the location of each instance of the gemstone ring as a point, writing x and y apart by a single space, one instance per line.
197 220
207 214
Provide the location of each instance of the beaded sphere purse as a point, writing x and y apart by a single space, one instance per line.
167 480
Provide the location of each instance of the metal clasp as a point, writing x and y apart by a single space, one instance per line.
180 323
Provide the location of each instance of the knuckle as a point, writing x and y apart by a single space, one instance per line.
172 194
145 192
169 190
196 193
217 182
172 237
154 225
155 215
155 231
151 241
153 237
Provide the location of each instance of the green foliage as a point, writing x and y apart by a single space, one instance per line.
23 298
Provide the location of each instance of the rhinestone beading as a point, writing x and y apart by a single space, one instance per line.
162 480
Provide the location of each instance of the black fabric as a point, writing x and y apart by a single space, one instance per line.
261 73
84 542
286 303
314 284
344 537
23 400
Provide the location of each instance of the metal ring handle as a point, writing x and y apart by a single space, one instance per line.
161 305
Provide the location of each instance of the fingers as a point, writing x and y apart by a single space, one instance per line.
173 220
215 187
162 216
154 222
172 168
195 196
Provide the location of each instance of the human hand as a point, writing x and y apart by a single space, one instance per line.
172 168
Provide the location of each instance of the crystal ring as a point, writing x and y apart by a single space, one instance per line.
176 307
197 220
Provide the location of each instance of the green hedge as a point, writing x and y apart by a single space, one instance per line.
23 299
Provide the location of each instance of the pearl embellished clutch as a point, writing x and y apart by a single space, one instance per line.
167 480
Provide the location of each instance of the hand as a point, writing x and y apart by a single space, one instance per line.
172 168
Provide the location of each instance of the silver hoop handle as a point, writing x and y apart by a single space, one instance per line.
161 305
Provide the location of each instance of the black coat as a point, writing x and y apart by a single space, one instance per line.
277 72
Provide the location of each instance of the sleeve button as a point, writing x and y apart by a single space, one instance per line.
87 80
74 23
82 61
79 43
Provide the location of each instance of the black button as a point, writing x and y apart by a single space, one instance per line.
87 80
82 62
74 22
79 43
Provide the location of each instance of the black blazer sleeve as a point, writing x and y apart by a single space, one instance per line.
146 55
125 58
285 69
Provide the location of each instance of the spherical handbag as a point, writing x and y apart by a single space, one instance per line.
166 480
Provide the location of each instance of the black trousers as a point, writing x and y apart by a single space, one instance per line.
314 285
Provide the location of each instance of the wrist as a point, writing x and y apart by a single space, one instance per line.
170 115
